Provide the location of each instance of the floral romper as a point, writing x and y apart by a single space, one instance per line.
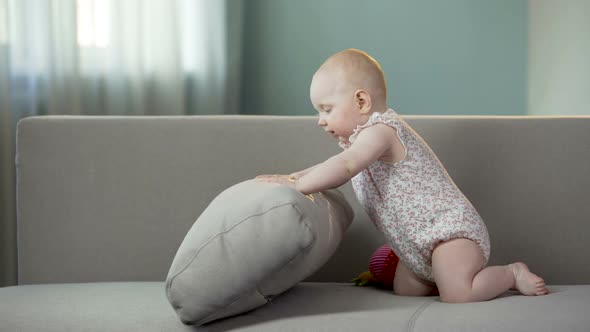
414 203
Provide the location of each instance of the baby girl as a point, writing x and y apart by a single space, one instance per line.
440 238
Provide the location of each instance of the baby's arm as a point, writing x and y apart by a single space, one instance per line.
370 145
282 178
299 174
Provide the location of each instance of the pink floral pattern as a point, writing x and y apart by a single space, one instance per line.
414 203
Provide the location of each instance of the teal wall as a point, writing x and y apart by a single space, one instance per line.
440 57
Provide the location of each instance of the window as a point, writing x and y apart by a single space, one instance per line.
3 22
93 23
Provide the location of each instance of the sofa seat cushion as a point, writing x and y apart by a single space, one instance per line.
566 308
104 306
143 306
341 307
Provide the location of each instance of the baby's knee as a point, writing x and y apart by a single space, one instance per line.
413 290
403 290
455 296
407 283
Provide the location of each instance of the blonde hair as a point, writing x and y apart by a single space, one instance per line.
360 71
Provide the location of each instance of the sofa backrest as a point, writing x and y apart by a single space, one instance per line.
111 198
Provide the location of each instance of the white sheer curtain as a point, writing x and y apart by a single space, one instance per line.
110 57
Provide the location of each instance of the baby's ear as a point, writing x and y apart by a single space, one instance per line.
363 101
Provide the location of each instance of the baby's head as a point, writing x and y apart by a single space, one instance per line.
351 85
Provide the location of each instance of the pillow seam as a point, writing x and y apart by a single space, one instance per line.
169 283
200 321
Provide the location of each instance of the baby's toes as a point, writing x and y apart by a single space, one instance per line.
542 290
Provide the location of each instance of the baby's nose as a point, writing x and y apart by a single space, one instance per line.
321 122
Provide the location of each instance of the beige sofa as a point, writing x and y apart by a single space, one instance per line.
104 203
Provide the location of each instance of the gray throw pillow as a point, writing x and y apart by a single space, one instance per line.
254 241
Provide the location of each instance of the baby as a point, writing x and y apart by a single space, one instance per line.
438 235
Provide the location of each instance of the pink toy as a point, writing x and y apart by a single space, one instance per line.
382 267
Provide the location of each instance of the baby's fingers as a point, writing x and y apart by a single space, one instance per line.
271 176
266 178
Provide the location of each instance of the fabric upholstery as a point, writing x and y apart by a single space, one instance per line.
103 200
142 306
129 188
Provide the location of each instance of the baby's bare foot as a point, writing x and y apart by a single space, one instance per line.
527 282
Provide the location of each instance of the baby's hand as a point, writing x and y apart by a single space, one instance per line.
277 178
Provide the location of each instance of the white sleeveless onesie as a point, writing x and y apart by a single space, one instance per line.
414 203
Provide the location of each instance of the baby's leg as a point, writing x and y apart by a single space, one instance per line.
406 283
457 269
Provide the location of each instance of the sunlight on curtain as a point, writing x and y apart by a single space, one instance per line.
92 18
110 57
3 23
119 57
